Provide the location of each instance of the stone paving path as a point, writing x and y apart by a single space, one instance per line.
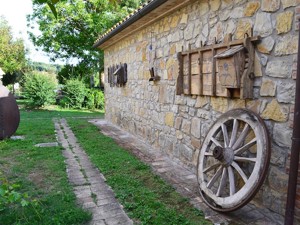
89 184
185 181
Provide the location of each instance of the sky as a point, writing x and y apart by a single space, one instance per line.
15 12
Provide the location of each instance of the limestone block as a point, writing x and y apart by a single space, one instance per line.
180 100
191 102
192 111
184 19
196 143
257 66
237 13
172 49
254 105
188 32
266 45
201 101
174 21
286 92
251 8
225 14
278 179
273 111
237 103
279 68
195 128
205 30
288 3
244 26
219 104
203 8
204 114
214 5
284 22
227 3
178 123
287 45
263 24
187 152
230 27
169 119
268 88
270 5
282 135
186 126
179 135
216 32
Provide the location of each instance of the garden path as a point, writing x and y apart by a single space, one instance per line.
89 184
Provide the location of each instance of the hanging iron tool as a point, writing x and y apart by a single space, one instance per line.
152 57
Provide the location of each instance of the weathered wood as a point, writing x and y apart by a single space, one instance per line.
225 147
220 69
207 72
179 86
200 59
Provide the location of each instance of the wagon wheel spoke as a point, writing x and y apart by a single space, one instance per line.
210 168
217 143
244 159
245 147
231 181
208 154
222 182
225 134
214 178
242 137
234 132
240 171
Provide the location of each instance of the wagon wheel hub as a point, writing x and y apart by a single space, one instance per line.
224 155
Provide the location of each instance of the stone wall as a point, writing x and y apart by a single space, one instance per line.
176 124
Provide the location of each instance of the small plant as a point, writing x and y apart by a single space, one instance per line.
10 196
39 88
74 91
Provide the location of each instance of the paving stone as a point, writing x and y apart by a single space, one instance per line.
46 145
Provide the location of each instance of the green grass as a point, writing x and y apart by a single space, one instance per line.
40 172
145 196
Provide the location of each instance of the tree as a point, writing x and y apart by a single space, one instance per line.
73 32
12 52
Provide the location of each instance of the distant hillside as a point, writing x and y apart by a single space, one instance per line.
39 66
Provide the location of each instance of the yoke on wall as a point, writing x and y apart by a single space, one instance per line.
224 69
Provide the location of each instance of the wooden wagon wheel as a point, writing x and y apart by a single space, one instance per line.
233 160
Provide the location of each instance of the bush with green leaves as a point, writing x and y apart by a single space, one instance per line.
74 93
39 88
94 99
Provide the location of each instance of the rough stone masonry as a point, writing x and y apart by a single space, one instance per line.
177 124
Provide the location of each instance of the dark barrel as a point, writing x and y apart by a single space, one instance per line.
9 113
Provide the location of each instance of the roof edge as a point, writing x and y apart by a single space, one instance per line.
135 17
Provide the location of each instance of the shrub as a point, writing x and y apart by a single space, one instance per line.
90 99
94 99
39 88
74 92
99 99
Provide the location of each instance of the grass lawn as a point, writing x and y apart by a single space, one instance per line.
39 172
